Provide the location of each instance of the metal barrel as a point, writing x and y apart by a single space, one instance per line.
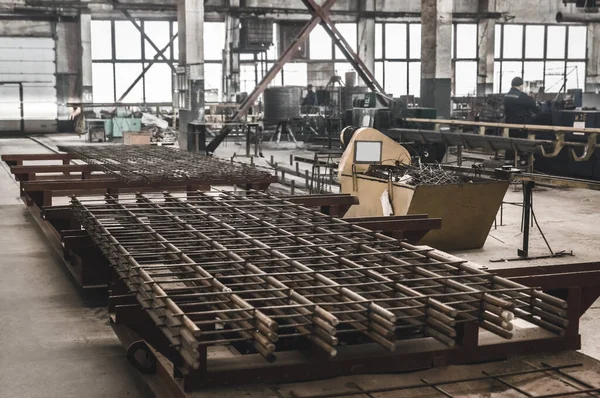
282 103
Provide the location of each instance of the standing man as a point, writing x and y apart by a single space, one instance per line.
519 107
311 97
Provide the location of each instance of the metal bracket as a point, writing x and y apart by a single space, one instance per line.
588 150
559 143
354 179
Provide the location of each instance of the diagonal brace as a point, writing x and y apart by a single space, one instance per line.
158 54
289 53
145 36
364 72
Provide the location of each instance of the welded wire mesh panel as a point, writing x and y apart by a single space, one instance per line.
147 163
220 267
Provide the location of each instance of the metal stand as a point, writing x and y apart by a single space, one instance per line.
334 125
527 207
523 254
283 127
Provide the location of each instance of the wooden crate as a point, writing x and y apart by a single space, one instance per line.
136 138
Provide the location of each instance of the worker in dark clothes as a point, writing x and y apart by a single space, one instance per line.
311 97
519 108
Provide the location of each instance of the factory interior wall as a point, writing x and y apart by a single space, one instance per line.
68 47
397 66
51 78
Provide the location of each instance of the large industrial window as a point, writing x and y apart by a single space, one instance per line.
126 68
398 58
321 50
552 56
464 57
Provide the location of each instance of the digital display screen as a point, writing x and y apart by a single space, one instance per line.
367 151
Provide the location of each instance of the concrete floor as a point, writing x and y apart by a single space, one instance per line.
57 342
54 341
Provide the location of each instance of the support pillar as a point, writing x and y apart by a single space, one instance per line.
366 38
85 25
231 61
181 31
592 81
436 56
486 41
190 18
68 71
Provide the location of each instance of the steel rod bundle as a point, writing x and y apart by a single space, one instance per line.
423 174
221 267
138 163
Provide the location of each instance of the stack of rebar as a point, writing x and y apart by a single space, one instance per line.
218 267
423 174
146 163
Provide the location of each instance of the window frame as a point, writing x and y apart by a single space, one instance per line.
523 59
114 61
417 60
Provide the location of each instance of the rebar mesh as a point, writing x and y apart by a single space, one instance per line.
220 267
146 163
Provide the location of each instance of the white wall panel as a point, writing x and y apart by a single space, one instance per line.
31 62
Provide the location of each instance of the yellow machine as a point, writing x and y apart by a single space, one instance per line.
467 207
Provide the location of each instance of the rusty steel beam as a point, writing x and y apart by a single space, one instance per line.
397 223
18 159
322 200
549 277
54 168
363 72
287 56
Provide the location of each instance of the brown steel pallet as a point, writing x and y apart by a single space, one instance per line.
296 366
207 299
130 323
40 183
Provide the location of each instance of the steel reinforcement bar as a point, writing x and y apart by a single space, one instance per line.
139 163
222 267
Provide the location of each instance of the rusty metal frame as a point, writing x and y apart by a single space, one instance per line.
287 56
319 16
371 357
307 365
489 141
137 164
577 284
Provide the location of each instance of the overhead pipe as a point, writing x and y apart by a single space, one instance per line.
577 17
